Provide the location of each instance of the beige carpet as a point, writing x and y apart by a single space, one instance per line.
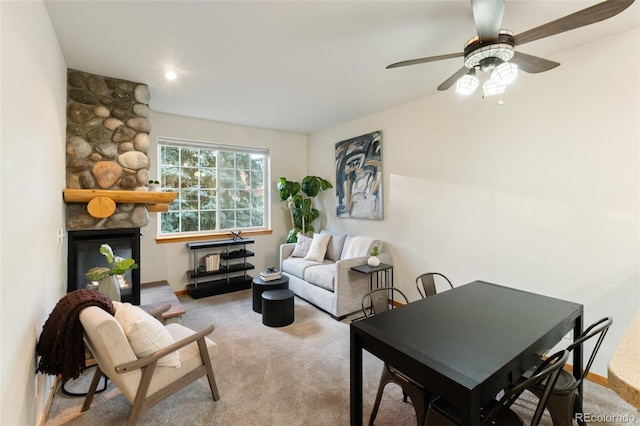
294 375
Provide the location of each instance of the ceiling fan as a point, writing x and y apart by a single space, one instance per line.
493 49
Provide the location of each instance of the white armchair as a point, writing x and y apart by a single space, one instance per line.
142 380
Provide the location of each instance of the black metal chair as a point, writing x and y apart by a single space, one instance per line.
497 412
375 302
426 283
564 402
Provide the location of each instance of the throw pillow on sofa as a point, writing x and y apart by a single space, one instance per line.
334 248
302 246
318 247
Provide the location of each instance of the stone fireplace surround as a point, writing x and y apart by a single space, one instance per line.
107 149
107 146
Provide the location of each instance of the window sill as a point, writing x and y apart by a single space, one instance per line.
217 236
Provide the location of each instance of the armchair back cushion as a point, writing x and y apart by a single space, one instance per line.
109 345
145 333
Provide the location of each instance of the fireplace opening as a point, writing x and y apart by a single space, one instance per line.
84 254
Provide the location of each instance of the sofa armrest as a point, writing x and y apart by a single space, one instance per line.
346 264
285 251
350 286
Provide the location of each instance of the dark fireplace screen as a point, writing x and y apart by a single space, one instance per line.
84 254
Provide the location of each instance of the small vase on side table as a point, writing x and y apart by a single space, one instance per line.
373 261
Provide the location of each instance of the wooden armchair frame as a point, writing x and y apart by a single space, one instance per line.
148 364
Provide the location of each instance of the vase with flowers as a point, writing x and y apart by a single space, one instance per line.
373 259
108 277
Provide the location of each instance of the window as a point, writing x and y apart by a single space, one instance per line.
220 188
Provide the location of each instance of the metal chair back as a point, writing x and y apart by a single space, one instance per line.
381 300
426 283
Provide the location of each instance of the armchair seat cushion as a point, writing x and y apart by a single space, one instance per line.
189 359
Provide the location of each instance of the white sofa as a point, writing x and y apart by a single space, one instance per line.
331 285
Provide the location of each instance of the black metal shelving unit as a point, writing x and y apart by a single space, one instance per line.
232 275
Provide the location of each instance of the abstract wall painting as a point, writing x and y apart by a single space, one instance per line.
359 177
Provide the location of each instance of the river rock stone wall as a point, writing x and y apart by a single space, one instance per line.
107 145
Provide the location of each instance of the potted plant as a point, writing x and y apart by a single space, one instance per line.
108 276
373 259
154 185
300 207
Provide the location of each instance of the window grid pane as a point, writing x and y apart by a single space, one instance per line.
217 190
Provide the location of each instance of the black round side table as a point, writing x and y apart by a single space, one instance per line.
260 286
277 308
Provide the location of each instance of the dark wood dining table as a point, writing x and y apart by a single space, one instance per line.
465 344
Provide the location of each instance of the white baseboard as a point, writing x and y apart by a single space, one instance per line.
47 405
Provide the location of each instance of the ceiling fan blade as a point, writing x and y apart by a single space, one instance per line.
449 82
423 60
487 15
532 64
590 15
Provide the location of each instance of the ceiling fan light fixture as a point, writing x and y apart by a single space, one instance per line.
468 83
492 88
505 73
475 50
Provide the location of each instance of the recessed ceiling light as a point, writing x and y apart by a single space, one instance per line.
170 75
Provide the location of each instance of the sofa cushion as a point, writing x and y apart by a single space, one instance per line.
334 248
296 266
358 246
322 276
318 247
302 246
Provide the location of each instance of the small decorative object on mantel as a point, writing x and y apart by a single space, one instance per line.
109 277
373 257
154 185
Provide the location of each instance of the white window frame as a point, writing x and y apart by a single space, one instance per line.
191 144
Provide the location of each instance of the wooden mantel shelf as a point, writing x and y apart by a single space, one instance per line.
156 201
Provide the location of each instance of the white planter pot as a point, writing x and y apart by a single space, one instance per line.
111 287
373 261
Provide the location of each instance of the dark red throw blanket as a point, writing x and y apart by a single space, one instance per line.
60 345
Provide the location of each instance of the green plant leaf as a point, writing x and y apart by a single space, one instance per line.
287 188
98 273
123 266
105 249
302 211
292 237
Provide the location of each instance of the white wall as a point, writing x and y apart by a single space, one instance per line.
32 153
539 194
288 153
